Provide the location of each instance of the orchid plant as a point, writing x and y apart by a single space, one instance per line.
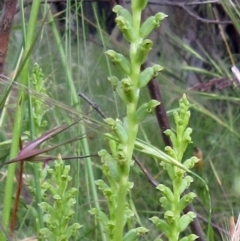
117 163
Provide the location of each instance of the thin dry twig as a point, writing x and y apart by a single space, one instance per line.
93 104
216 84
184 5
216 227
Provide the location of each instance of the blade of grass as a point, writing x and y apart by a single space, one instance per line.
210 74
200 108
104 50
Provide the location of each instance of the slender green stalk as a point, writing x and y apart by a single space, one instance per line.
77 168
121 196
18 116
132 128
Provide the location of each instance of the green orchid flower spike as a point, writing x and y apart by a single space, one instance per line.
117 163
60 211
173 199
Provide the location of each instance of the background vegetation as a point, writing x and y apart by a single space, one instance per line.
197 46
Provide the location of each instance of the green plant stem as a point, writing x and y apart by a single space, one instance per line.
123 185
121 197
176 192
132 133
136 20
18 118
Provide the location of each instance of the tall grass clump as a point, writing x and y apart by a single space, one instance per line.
28 37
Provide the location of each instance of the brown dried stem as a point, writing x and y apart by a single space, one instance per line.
8 12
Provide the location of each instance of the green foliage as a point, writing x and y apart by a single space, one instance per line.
73 61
